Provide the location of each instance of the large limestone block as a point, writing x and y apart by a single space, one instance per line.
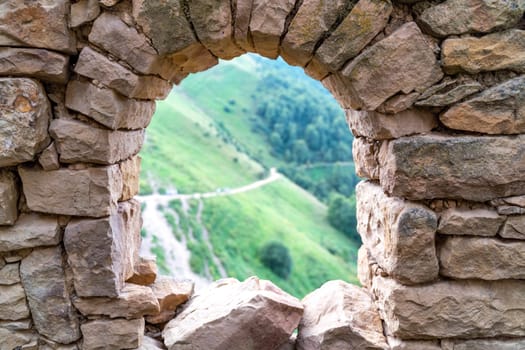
39 23
78 142
30 231
454 17
24 118
130 170
229 315
363 23
365 153
13 339
96 66
89 192
470 222
114 334
398 234
305 30
134 301
8 198
102 252
9 274
267 24
13 305
452 309
144 272
514 227
483 344
481 258
498 110
44 281
380 126
340 316
108 107
241 31
213 25
40 64
477 168
402 62
492 52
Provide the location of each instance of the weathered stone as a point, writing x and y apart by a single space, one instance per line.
161 318
194 59
481 258
133 301
515 201
39 23
23 340
365 158
510 210
30 230
84 11
454 17
492 52
102 252
145 271
305 30
483 344
96 66
451 96
9 274
130 170
150 344
13 305
398 234
109 3
171 293
112 334
398 344
289 344
379 126
475 222
17 325
212 21
78 142
364 271
235 311
365 21
241 32
402 62
40 64
498 110
108 107
466 309
340 316
89 192
13 256
24 118
48 159
315 70
268 23
46 344
44 281
440 166
398 103
514 228
8 198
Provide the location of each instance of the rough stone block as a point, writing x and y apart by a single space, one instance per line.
114 334
241 32
84 11
25 113
340 316
12 339
44 281
89 192
171 293
399 103
8 198
9 274
365 153
492 52
30 231
130 170
145 271
481 258
398 344
477 168
475 222
48 159
40 64
78 142
450 309
483 344
96 66
13 305
364 270
514 228
398 234
443 94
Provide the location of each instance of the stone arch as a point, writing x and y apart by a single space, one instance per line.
434 93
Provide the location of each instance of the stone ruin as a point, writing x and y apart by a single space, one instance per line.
435 97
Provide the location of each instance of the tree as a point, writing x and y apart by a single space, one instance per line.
342 215
276 257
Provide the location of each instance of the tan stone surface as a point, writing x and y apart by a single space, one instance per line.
162 318
84 11
26 340
108 107
241 31
133 301
379 126
130 170
78 142
398 344
340 316
96 66
365 157
466 309
398 103
30 230
229 315
171 293
48 159
481 258
363 23
40 64
498 110
398 234
440 166
483 344
89 192
475 222
13 305
193 59
492 52
364 270
455 94
44 281
21 20
268 23
113 334
25 114
514 228
8 198
144 272
9 274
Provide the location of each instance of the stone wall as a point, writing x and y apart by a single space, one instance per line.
435 96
